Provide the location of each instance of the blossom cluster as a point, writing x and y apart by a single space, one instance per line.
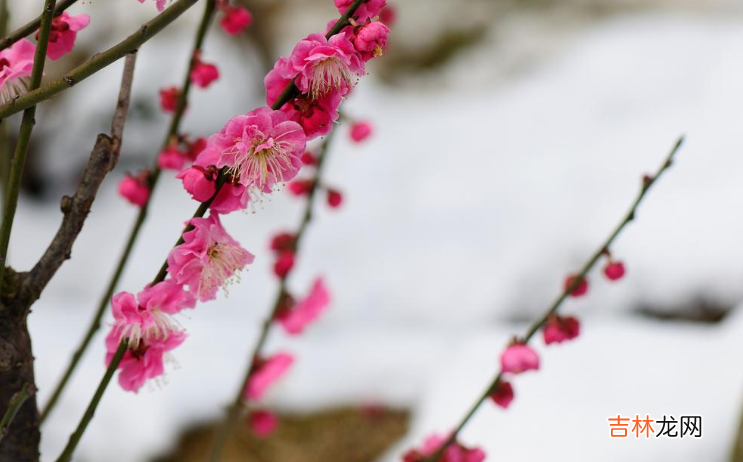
251 156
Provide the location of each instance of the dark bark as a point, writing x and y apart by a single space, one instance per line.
21 443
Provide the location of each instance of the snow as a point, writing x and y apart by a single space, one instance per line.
463 214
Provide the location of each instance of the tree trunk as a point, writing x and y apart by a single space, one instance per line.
21 443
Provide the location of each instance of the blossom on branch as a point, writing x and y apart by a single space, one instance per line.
367 11
135 189
203 74
518 358
558 329
259 149
63 33
265 373
169 98
236 18
208 259
147 323
295 317
16 64
360 131
456 452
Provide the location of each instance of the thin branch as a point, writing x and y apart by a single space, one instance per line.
99 61
13 187
31 26
647 183
175 124
102 160
233 413
16 401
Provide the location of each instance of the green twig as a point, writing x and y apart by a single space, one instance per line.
12 189
647 183
95 323
16 401
99 61
66 455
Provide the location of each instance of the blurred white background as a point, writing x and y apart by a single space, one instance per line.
490 176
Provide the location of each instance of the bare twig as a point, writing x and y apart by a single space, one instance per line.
648 182
76 208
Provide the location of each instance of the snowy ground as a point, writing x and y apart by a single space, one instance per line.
463 213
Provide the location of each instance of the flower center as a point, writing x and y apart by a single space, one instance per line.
159 325
329 74
261 161
224 261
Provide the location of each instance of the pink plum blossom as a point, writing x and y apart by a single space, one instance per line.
303 313
283 242
135 189
309 159
558 329
208 258
325 66
371 40
263 423
143 363
334 198
63 34
16 64
455 452
203 74
159 3
367 11
259 149
199 182
235 19
301 187
147 323
195 147
169 98
171 158
284 264
518 358
316 116
580 290
149 315
266 373
361 131
503 394
388 15
614 270
231 197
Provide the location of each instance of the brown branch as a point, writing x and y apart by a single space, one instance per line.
76 208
